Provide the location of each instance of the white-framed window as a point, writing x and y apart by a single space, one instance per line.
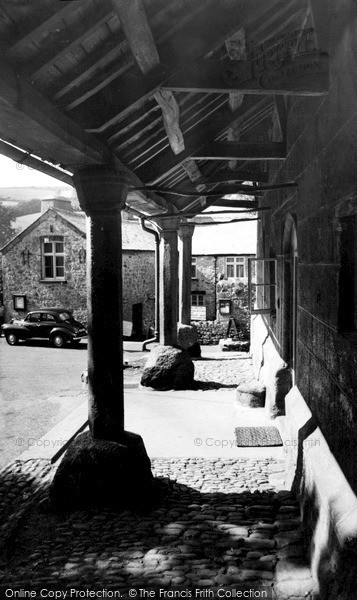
52 250
262 287
197 299
193 268
235 267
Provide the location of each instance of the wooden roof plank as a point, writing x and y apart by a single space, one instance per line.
45 59
48 25
157 168
141 41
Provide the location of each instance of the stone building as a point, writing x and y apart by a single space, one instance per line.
304 342
45 265
219 285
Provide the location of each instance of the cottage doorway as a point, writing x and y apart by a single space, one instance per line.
290 253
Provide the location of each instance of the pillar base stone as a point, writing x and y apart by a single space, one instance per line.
168 368
187 338
98 473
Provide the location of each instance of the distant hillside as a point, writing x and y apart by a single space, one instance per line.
13 195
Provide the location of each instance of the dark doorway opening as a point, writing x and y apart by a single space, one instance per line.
137 317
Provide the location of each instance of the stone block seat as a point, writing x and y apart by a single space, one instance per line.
250 394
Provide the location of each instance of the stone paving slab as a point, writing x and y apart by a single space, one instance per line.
216 522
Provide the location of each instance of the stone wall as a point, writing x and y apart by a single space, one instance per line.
237 294
322 158
206 281
210 332
139 287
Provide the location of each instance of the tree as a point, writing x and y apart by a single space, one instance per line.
7 231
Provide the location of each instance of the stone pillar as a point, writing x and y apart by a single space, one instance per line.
102 194
108 466
185 260
168 280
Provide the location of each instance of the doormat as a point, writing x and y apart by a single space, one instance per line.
258 436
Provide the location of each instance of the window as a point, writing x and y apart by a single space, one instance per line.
262 287
194 268
47 317
347 310
53 257
34 318
198 299
235 267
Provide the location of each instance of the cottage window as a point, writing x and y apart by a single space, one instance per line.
194 268
235 267
198 300
53 257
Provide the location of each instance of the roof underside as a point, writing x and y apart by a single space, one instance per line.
186 96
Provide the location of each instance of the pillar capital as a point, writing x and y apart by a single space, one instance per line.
101 189
186 230
168 223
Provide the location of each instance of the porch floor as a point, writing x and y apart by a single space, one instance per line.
222 518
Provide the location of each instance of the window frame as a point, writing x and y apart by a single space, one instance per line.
53 255
270 286
235 263
197 295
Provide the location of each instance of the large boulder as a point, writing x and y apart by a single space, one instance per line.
168 368
187 338
98 473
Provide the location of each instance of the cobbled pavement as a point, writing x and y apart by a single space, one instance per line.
216 523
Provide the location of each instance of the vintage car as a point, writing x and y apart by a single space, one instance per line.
55 324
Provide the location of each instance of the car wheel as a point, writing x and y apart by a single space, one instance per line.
12 339
58 340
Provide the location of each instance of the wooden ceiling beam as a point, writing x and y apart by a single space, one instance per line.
306 75
78 92
227 176
23 158
215 193
37 125
164 163
29 121
241 151
140 39
235 203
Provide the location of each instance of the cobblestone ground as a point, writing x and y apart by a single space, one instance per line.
210 373
223 372
217 523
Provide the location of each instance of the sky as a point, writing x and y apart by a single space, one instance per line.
13 174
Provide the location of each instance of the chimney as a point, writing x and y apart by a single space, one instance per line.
59 203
